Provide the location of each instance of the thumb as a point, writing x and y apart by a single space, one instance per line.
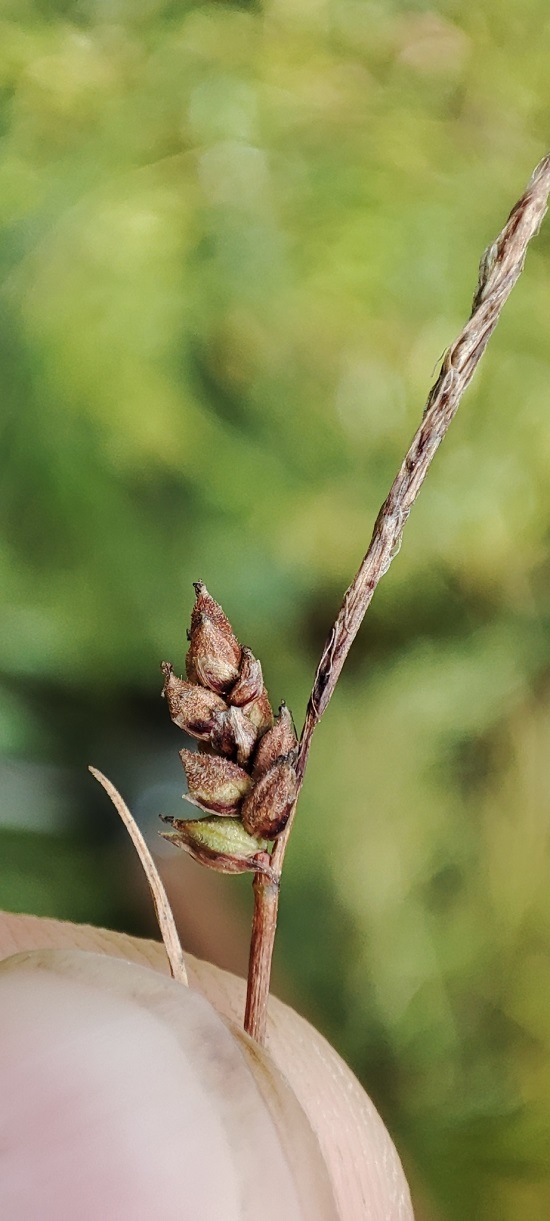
363 1167
124 1096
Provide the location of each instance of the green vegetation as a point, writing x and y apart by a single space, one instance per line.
234 241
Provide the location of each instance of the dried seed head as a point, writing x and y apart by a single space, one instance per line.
191 707
220 843
250 683
279 740
233 734
213 658
215 784
266 809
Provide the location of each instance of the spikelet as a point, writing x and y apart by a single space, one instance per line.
249 693
233 734
215 784
191 707
266 808
214 654
279 740
243 775
220 843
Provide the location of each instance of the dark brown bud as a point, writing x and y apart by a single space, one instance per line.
279 740
250 682
233 734
215 784
191 707
266 809
213 659
220 843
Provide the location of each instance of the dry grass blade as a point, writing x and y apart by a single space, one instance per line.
500 268
163 910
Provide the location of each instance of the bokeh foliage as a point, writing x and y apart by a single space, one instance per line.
234 241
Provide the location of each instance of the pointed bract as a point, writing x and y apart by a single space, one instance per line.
250 694
266 809
220 843
250 683
279 740
215 784
233 734
259 713
213 658
192 708
206 605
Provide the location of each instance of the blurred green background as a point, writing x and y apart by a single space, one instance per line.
234 241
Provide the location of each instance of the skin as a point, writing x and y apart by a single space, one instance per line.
124 1095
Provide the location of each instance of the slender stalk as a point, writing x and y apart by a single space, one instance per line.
499 269
264 926
165 918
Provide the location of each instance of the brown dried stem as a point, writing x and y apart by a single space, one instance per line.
500 267
264 927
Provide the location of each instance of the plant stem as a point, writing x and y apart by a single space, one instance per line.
264 926
499 269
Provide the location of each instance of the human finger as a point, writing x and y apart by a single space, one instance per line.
364 1168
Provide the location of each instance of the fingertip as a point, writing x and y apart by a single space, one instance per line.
126 1091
